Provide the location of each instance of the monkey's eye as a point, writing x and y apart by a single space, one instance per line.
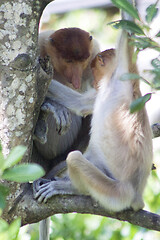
51 40
69 61
100 59
90 38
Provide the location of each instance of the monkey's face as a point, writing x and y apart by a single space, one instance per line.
70 51
71 71
103 65
97 66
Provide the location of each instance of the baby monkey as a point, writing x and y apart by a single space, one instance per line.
116 165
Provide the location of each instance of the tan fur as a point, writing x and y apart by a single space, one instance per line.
117 163
103 65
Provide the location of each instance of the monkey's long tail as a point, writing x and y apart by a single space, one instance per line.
44 229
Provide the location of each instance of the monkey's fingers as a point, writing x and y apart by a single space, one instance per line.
41 130
61 114
49 190
38 184
40 195
46 191
64 121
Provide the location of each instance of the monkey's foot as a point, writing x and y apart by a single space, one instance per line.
61 114
44 189
138 203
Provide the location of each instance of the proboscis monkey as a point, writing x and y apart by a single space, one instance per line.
115 167
102 65
71 51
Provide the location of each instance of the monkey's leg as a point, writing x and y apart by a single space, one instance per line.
87 178
140 185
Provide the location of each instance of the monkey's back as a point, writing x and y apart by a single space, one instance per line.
124 138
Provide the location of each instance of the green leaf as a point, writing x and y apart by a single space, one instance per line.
139 103
143 42
1 157
156 64
2 201
13 229
3 225
151 12
23 173
135 54
129 26
0 147
2 161
15 156
4 230
3 193
158 34
129 76
4 236
126 6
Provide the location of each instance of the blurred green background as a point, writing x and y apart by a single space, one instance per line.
88 227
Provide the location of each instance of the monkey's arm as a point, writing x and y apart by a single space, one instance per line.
62 117
79 103
60 100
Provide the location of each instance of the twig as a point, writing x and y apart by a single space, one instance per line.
156 130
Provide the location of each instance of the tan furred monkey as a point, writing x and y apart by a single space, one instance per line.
116 165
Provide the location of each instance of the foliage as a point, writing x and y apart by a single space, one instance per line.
20 173
89 227
9 232
139 103
127 7
140 38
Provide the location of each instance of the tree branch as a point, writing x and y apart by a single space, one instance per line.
34 212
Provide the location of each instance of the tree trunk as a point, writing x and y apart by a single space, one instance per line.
20 78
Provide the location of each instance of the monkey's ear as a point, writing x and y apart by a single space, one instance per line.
51 40
100 60
90 38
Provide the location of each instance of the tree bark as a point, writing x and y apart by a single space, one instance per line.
34 212
20 78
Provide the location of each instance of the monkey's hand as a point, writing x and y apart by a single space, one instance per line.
41 129
44 189
40 133
61 114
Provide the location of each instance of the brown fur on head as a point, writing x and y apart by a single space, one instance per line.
103 65
72 43
70 50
